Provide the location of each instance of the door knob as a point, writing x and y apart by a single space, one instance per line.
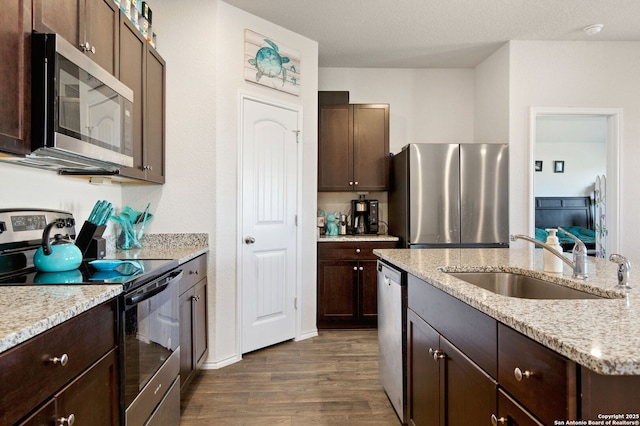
249 240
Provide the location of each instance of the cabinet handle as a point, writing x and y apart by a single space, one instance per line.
195 298
495 420
358 250
361 268
520 374
67 421
147 167
86 47
63 360
193 272
356 182
437 354
355 268
350 183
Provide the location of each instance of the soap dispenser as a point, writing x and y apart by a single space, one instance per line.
552 263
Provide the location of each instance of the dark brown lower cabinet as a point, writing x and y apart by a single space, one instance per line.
469 393
348 284
71 369
91 399
425 407
445 387
193 319
513 414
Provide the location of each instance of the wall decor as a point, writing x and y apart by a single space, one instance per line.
267 62
558 166
538 166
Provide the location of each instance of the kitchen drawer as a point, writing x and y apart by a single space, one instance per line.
471 331
549 391
192 272
28 377
352 250
514 413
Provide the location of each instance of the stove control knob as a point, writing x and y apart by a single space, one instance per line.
3 227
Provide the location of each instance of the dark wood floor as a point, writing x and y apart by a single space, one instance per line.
331 379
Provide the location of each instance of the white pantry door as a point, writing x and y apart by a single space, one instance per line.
269 190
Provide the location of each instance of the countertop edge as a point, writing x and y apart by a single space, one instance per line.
99 295
355 238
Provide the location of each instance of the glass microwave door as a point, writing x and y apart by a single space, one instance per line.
91 111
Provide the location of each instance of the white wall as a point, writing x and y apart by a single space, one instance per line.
491 102
579 141
203 44
33 188
425 105
576 74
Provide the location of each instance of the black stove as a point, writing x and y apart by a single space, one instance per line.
20 236
87 275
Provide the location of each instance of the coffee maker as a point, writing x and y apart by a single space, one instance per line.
364 216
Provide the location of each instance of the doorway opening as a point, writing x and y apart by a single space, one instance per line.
613 119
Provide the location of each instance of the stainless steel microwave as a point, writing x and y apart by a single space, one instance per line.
82 116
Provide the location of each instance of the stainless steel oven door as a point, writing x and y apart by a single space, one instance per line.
150 345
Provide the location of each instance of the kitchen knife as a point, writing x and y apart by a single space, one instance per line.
92 215
106 216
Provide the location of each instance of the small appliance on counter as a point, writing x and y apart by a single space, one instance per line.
364 216
342 225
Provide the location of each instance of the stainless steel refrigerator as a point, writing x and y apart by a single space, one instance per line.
450 195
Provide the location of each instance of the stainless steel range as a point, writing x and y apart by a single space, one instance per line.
149 350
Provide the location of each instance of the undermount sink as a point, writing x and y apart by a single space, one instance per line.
521 286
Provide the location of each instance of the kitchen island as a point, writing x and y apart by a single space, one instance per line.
596 340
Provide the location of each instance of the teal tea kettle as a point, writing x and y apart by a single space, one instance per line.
57 256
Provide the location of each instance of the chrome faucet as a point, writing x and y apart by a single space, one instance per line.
579 252
624 268
579 264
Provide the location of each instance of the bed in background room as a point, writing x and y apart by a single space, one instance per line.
575 214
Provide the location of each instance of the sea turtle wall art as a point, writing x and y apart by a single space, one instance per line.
269 63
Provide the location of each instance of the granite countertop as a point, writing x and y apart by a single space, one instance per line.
26 311
600 334
351 238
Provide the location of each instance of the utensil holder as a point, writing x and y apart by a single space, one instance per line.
85 237
129 237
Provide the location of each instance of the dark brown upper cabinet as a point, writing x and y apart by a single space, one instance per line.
91 25
353 147
143 70
15 81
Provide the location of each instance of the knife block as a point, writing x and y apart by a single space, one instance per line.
90 241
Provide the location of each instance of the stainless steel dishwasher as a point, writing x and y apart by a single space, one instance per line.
392 332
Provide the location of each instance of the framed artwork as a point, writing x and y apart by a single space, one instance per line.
268 63
558 166
538 166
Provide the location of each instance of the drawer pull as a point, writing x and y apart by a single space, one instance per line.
520 374
357 250
436 354
495 420
67 421
63 360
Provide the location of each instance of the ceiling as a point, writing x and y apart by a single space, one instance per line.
440 33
